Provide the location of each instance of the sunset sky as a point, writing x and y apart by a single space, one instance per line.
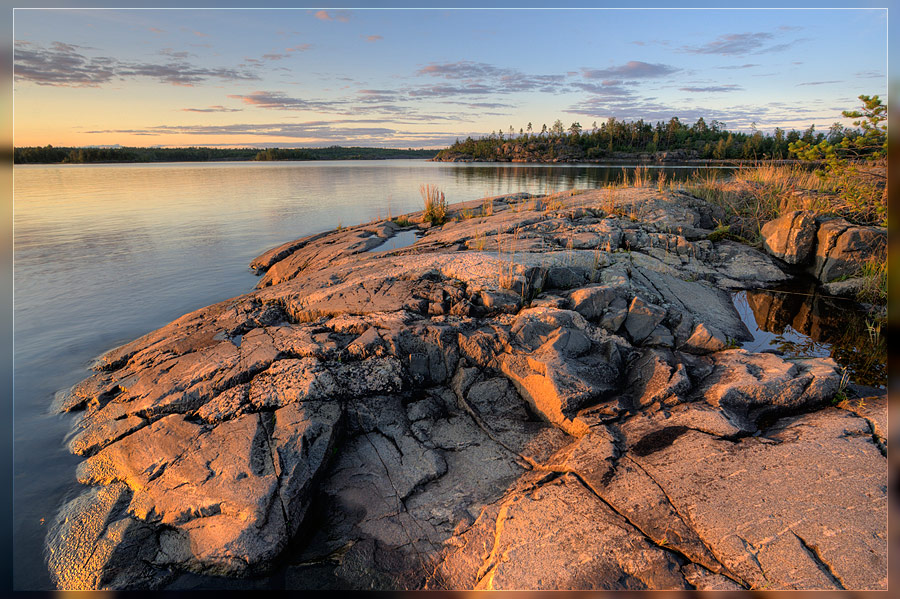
422 78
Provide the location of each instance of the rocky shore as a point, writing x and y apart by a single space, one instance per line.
548 394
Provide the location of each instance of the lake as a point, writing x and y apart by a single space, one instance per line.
106 253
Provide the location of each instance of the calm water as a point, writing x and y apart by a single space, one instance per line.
106 253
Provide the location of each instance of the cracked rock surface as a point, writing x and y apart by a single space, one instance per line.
549 397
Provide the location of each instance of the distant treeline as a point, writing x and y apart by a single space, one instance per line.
614 137
50 154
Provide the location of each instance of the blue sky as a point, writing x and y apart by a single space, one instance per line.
421 78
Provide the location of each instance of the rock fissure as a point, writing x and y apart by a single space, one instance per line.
826 568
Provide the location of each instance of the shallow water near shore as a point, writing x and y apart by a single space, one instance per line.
795 321
106 253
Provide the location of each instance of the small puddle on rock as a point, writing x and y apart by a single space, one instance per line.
795 321
399 240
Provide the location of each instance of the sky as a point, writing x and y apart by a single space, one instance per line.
423 78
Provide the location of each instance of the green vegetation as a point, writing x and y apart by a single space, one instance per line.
67 155
700 140
435 204
844 176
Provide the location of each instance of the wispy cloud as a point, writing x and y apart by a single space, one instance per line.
65 65
818 83
712 88
634 69
733 44
478 78
211 109
342 131
341 15
372 38
281 101
299 48
732 67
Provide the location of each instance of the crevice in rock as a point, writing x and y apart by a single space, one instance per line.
265 424
724 571
401 504
824 566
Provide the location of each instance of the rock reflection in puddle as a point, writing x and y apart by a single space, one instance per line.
797 321
399 240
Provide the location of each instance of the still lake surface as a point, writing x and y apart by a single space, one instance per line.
106 253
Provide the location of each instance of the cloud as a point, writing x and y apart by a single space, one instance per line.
63 65
742 43
155 30
341 15
299 48
603 89
212 109
176 54
712 88
749 65
344 132
274 56
372 38
817 83
463 69
477 78
733 43
633 69
281 101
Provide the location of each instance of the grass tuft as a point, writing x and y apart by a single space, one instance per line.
435 204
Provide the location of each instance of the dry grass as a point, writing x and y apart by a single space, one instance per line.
507 274
487 207
760 194
435 204
875 281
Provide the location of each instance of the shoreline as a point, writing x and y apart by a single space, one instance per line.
538 338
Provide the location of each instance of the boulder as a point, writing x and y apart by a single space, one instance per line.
843 249
790 237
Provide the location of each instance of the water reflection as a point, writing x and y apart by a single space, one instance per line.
796 321
542 178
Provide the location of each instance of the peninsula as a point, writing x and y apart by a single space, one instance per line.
540 392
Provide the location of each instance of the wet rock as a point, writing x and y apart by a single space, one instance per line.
790 237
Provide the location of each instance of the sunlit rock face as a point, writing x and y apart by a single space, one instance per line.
546 397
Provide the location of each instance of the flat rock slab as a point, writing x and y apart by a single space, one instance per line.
777 510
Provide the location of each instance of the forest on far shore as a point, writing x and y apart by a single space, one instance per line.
69 155
700 140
